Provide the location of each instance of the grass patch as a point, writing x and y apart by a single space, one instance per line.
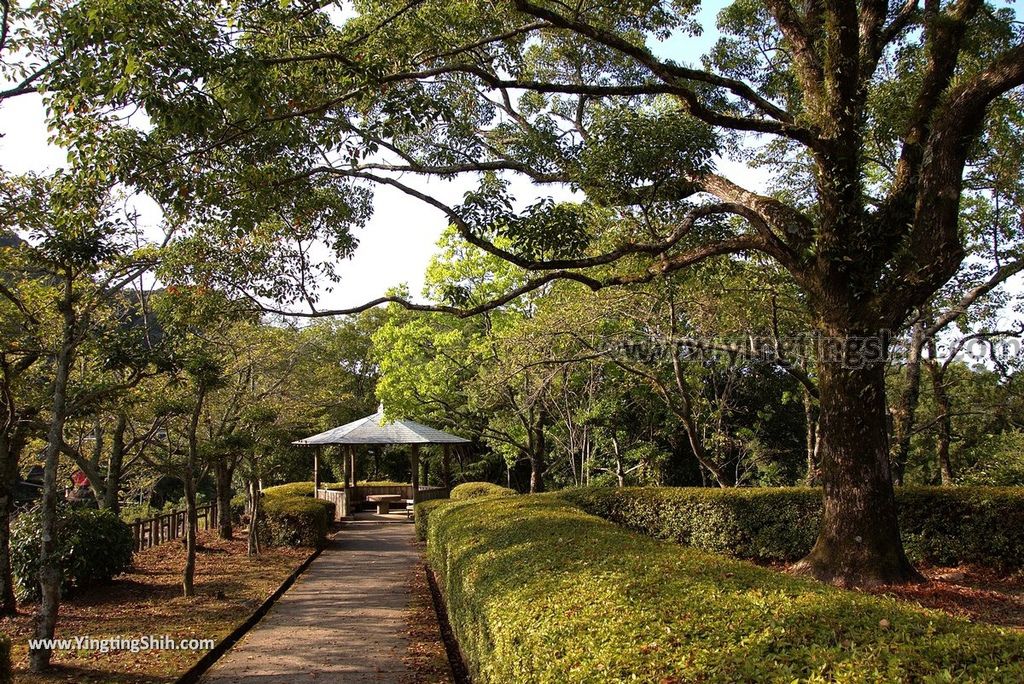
540 591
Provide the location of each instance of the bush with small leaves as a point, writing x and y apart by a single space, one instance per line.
295 521
471 490
538 590
939 525
92 547
422 512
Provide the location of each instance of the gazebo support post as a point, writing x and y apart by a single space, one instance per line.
446 465
352 464
316 471
414 457
343 453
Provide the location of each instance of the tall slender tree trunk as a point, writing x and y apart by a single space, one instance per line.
944 435
50 573
811 439
191 516
115 466
223 474
537 447
905 409
253 489
859 540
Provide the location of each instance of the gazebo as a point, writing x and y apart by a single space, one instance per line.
372 430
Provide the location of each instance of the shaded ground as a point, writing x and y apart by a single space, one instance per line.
360 613
978 594
148 601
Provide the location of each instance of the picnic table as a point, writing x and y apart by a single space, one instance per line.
383 502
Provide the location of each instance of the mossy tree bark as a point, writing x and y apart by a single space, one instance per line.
859 540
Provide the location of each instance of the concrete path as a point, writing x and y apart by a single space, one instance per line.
344 620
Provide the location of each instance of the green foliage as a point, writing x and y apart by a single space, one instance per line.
296 521
472 490
6 677
92 547
1000 461
765 524
539 591
422 512
940 525
291 489
953 525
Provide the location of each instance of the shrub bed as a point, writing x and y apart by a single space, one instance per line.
940 525
538 590
472 490
422 511
291 489
295 521
92 547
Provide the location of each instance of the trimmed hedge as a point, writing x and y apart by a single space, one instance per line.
471 490
422 512
6 676
538 590
295 521
290 489
93 546
940 525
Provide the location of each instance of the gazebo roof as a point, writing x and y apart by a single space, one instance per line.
372 430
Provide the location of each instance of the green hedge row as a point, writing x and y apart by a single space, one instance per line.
471 490
940 525
539 591
93 546
6 675
422 511
295 521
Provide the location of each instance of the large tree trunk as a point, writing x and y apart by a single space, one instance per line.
50 574
223 473
905 409
859 541
537 448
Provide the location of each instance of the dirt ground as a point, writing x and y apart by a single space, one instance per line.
148 601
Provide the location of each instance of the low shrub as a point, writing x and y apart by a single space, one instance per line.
295 521
471 490
422 511
6 676
290 489
538 590
940 525
92 547
238 503
954 525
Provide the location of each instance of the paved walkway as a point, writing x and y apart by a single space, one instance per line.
342 621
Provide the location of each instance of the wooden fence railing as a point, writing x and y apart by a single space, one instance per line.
149 532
